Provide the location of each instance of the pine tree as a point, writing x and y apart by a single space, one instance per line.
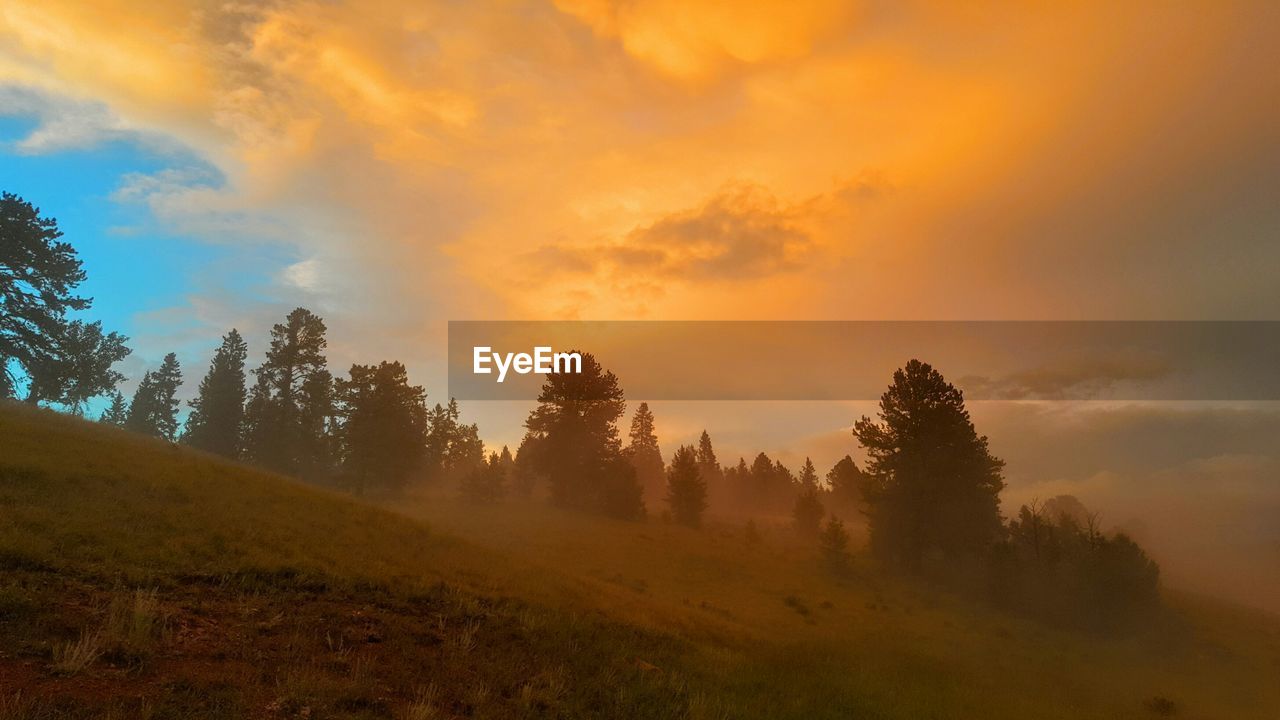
64 362
845 482
466 452
709 467
485 483
523 475
117 413
686 489
216 422
507 461
154 409
38 277
579 452
833 542
383 426
290 411
934 486
762 474
808 511
645 455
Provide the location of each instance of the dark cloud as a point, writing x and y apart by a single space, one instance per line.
1069 380
743 232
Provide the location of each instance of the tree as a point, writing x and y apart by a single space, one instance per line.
833 543
65 362
486 483
845 482
216 422
579 452
453 450
808 511
1067 571
645 455
686 488
290 410
154 409
523 476
466 451
79 368
932 485
709 467
383 426
117 413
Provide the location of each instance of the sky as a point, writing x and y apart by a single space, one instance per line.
395 165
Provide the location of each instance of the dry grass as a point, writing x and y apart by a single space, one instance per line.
75 656
263 597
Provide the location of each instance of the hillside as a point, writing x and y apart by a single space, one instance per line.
138 579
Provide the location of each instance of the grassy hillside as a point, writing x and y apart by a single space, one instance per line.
142 580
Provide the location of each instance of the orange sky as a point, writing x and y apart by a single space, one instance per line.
664 159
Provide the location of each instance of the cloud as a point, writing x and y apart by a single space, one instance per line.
1071 379
697 40
740 233
65 124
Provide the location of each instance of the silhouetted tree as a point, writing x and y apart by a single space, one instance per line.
507 461
808 511
118 412
523 475
833 543
291 408
382 426
686 488
216 422
709 468
154 409
453 450
486 483
738 488
1065 506
466 451
579 452
1070 572
645 455
762 482
64 362
845 483
932 485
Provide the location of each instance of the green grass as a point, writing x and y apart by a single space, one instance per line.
208 590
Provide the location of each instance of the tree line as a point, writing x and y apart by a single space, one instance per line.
929 493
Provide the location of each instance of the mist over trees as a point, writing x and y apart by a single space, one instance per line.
929 491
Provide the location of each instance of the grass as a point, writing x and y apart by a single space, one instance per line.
142 580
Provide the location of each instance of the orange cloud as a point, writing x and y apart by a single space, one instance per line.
457 138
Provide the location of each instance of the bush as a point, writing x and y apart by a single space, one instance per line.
1065 572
